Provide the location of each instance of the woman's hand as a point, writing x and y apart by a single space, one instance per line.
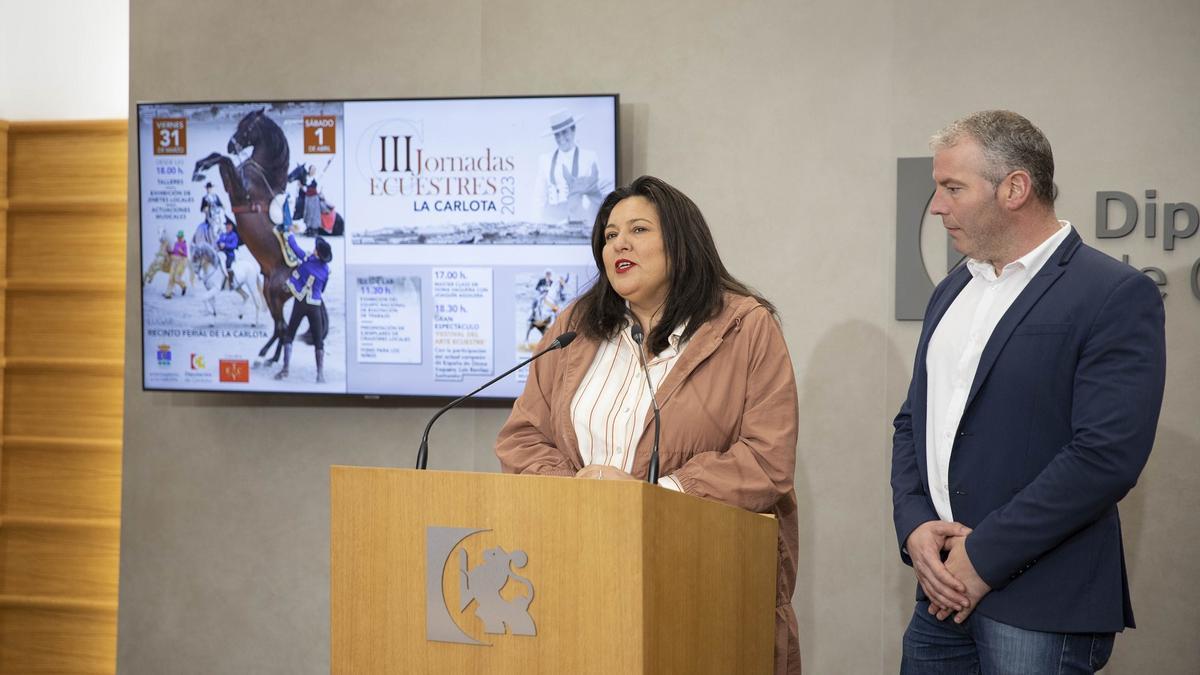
603 472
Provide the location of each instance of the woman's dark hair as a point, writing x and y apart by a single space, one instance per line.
697 279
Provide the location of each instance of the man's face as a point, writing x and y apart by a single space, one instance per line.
565 139
967 202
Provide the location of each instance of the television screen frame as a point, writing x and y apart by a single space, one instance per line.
302 351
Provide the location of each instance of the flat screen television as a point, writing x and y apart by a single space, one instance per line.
424 244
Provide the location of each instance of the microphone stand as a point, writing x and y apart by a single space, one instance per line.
635 330
423 452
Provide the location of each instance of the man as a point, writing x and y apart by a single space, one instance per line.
179 257
228 244
307 284
1031 412
214 217
543 285
569 178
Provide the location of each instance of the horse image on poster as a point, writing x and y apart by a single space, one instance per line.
251 186
202 260
162 259
247 283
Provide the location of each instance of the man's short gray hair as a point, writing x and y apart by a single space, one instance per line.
1009 142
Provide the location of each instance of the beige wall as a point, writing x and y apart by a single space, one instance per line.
784 121
63 59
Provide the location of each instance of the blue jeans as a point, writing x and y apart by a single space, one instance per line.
983 646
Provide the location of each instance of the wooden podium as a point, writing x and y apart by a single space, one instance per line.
625 577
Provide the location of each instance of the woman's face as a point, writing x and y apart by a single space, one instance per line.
635 261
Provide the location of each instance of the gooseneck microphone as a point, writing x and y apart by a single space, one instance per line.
423 452
635 330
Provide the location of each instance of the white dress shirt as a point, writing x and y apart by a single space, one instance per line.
956 347
610 406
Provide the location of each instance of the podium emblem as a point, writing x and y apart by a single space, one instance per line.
485 584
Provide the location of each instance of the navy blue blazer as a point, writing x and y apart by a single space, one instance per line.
1058 424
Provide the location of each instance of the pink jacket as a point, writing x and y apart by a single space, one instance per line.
729 425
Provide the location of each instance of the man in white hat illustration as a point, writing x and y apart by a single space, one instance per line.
569 177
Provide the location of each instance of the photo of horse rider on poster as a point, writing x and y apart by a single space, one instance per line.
569 182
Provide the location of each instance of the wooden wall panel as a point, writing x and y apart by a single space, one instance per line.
4 208
62 260
65 402
88 245
64 639
3 165
59 558
47 325
46 477
65 162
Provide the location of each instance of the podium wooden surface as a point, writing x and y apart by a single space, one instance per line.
628 577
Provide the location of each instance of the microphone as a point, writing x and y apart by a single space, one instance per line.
635 330
423 452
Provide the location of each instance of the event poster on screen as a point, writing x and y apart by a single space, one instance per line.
458 230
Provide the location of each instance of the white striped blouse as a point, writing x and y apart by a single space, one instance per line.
610 406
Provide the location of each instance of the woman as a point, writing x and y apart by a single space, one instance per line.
312 203
717 362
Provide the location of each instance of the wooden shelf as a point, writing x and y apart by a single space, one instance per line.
62 286
51 523
70 364
63 191
69 127
87 204
57 443
56 603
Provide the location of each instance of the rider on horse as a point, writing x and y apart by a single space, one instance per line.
214 217
228 244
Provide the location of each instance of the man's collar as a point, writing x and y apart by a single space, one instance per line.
1031 261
